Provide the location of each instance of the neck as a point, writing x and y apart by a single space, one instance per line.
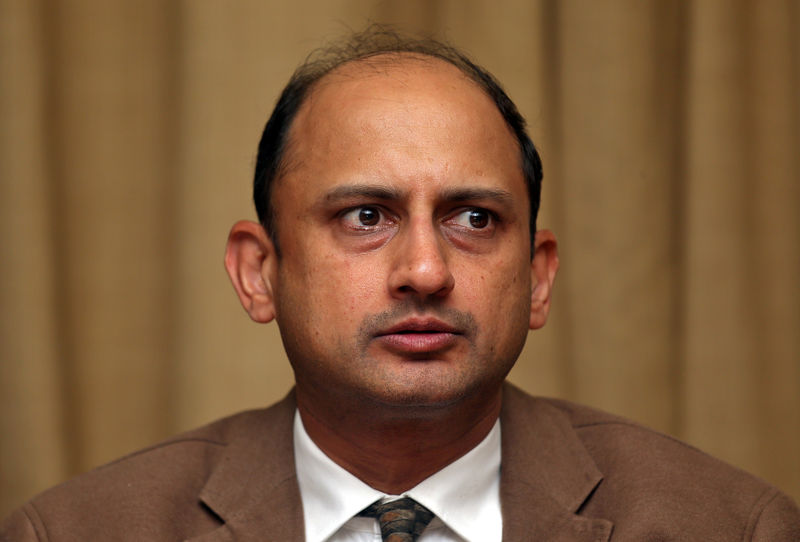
392 449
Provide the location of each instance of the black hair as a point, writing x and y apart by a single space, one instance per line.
376 40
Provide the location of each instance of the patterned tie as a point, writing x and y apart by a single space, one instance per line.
402 520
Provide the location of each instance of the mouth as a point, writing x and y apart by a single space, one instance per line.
419 336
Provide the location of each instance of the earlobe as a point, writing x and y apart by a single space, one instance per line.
544 266
251 263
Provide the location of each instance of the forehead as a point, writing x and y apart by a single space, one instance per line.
400 72
387 86
398 115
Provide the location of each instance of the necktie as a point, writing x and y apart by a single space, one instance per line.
402 520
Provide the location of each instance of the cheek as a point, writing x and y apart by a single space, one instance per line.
499 295
341 290
483 285
356 286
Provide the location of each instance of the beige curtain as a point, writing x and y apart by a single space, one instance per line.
670 134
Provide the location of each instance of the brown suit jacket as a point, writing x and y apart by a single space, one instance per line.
569 473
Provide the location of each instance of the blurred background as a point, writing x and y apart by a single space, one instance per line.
669 131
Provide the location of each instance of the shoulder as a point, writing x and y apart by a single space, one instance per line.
652 482
154 490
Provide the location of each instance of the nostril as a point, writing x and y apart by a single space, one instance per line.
421 267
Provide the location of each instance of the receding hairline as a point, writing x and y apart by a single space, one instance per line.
389 48
382 62
378 64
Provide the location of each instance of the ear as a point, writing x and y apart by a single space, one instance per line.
251 262
544 266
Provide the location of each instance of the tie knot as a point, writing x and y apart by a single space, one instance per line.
402 520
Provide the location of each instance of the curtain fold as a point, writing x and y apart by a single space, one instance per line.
32 439
669 133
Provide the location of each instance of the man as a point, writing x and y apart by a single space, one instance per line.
397 194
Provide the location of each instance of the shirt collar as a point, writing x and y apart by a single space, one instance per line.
464 495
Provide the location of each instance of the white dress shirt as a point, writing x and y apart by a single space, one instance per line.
464 496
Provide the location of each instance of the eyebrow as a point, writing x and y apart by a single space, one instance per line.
467 194
376 191
390 193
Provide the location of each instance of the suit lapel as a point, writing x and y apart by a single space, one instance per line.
547 475
254 487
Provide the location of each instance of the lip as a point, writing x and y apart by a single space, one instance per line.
420 325
418 336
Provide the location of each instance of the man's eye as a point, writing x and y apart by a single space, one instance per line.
478 219
362 217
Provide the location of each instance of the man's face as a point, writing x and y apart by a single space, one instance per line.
405 269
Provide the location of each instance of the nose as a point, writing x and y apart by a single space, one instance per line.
420 267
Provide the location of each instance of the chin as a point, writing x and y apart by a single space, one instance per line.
431 395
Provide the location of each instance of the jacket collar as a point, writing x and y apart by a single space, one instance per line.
254 487
550 474
254 490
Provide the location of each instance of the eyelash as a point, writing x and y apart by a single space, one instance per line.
385 219
491 218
